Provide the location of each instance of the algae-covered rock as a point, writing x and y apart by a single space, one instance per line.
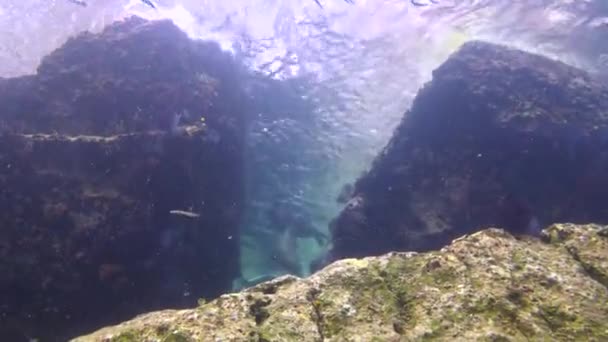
102 151
499 138
488 286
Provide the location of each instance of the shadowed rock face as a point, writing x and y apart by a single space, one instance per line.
96 149
488 286
499 137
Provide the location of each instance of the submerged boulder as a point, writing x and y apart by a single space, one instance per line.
121 189
499 137
488 286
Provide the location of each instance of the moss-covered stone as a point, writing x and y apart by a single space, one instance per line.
488 286
586 247
126 336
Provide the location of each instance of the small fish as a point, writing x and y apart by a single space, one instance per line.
347 1
421 4
149 3
188 214
78 2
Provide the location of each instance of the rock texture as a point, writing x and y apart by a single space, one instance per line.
499 137
488 286
113 132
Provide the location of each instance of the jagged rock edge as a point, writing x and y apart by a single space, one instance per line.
589 270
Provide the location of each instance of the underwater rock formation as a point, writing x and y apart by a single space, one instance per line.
121 189
499 137
488 286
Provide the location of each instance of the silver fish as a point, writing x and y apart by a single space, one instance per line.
149 3
78 2
184 213
421 4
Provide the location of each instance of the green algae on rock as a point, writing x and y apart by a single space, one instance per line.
487 286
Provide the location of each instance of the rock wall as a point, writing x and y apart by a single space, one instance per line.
114 132
499 137
488 286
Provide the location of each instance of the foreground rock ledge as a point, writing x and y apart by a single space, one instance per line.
488 286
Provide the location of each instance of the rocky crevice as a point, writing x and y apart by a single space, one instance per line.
583 248
317 316
590 270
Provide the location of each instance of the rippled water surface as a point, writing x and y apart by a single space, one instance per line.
353 70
